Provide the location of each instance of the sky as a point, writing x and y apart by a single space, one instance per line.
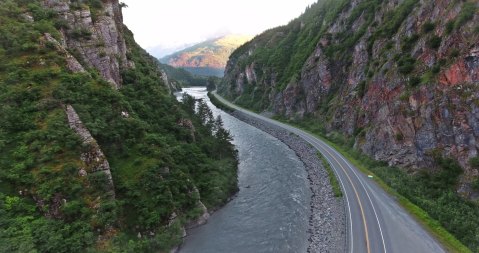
165 26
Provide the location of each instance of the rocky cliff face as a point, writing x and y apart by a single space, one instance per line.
401 77
95 152
94 35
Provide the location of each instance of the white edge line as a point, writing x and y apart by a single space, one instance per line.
366 190
289 128
347 198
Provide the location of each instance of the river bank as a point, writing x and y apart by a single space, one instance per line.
271 211
327 222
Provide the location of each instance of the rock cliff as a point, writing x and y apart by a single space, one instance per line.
400 77
94 35
96 155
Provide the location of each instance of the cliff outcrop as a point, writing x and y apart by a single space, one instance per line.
399 77
92 154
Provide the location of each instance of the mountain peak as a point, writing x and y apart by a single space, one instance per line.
207 58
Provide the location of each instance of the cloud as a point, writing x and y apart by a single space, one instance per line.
163 25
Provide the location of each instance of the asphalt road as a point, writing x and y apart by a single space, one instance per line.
376 222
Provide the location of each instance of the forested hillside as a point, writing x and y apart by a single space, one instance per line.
96 155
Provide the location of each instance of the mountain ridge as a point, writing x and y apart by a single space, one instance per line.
395 81
208 57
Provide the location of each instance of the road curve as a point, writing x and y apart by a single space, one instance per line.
376 222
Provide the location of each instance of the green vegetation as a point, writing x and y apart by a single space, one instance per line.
406 64
409 42
218 103
428 27
332 177
285 49
434 42
164 157
474 162
449 26
414 81
183 77
429 196
467 13
395 18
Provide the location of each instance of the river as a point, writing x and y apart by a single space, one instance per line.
271 211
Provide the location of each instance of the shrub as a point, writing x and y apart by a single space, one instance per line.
475 184
454 53
450 26
409 42
434 42
95 4
428 27
399 137
406 65
81 33
414 81
474 162
361 88
397 17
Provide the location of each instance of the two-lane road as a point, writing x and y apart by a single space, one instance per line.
376 222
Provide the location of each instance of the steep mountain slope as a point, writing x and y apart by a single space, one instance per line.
400 76
207 58
182 77
396 80
95 153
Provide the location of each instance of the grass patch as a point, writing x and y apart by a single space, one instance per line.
332 177
215 101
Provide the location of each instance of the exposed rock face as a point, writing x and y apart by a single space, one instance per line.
363 92
94 37
51 209
104 49
200 220
186 123
93 158
72 62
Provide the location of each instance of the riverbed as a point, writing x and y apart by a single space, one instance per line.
272 209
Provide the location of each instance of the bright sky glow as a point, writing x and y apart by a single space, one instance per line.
168 25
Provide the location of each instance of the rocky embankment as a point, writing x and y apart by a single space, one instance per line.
327 222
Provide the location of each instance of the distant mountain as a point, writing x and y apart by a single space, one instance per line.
182 77
207 58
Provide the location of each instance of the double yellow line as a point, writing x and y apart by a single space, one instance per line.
357 197
344 170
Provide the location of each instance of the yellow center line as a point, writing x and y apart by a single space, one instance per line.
357 197
352 184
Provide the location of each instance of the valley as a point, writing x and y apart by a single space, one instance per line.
354 127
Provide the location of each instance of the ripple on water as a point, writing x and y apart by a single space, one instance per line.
271 211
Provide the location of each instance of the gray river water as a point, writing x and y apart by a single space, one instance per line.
271 211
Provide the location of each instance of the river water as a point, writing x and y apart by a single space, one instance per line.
271 211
